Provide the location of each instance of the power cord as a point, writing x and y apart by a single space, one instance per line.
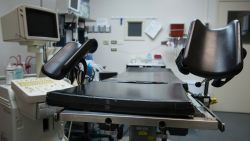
78 73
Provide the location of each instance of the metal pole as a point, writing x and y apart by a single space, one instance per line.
41 3
206 88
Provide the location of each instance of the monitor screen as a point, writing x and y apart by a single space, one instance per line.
41 23
74 4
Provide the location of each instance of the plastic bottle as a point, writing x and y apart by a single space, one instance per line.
149 57
10 73
19 72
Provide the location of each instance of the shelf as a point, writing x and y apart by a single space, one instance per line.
80 18
89 20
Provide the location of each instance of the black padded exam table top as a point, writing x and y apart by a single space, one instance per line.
132 98
158 93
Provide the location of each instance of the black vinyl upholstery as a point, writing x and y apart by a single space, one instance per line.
213 53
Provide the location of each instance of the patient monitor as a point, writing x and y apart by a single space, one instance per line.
31 26
28 23
24 115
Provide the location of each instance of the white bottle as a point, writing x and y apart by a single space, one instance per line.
10 73
149 58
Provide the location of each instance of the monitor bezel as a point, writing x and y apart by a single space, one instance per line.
28 37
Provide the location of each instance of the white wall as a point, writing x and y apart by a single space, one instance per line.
235 95
9 49
165 11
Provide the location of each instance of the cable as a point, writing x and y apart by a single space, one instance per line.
45 57
78 73
91 78
19 60
82 71
14 57
28 63
70 126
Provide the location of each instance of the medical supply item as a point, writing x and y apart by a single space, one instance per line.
10 73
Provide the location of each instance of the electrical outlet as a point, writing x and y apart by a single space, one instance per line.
113 49
113 42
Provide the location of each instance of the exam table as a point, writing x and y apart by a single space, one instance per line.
78 103
216 55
